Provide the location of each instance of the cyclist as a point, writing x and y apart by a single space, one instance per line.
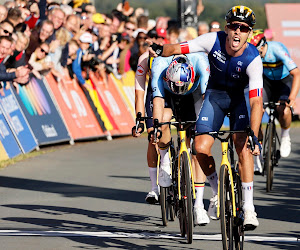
144 69
234 64
181 79
281 83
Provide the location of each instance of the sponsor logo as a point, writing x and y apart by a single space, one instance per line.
204 118
112 103
49 130
235 76
242 116
140 71
238 69
220 56
240 63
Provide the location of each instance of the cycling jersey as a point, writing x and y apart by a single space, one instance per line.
277 61
159 67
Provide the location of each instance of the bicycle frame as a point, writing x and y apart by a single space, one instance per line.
183 148
225 161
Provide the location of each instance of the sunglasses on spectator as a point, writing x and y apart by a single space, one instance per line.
142 37
6 31
46 53
132 29
235 26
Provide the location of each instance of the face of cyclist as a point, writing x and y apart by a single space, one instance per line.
262 50
238 33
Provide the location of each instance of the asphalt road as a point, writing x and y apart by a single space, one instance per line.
91 196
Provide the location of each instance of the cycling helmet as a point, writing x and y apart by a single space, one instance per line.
180 75
258 39
241 14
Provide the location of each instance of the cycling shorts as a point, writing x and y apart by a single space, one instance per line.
275 90
216 105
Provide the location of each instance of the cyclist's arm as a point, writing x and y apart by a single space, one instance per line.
140 83
255 72
295 86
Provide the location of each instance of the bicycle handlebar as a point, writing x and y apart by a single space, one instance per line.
272 105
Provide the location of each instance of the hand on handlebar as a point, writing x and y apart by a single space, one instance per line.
253 142
139 127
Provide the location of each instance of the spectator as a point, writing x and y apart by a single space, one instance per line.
34 14
3 13
203 28
214 26
39 36
129 28
57 16
172 35
14 16
6 28
137 49
72 25
18 57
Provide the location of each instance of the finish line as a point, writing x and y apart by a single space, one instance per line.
106 234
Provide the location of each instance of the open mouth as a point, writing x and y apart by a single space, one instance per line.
236 42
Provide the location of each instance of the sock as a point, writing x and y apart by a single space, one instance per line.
213 182
285 132
248 195
153 178
199 187
164 156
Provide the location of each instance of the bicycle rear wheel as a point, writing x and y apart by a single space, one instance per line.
186 204
226 213
270 151
238 231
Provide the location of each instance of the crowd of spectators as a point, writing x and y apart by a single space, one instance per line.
70 37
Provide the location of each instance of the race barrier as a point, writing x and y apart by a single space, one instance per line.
74 107
41 113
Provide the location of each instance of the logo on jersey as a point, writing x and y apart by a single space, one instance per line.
240 63
140 71
220 56
238 69
242 116
204 118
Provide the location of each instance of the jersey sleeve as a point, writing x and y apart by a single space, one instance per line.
203 43
141 72
204 71
283 55
255 74
158 71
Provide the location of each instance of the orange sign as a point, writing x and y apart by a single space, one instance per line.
75 109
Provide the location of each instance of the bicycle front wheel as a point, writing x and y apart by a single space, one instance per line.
269 156
164 205
226 212
186 204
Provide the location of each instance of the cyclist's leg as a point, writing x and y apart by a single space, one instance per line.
284 115
246 164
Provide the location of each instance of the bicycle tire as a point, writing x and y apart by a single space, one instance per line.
164 205
226 213
238 229
186 199
269 156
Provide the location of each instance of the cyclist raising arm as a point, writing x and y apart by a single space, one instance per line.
281 83
234 65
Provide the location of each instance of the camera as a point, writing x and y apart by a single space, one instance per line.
116 37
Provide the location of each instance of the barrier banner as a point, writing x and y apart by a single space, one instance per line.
3 154
74 107
102 110
41 113
284 20
126 89
114 104
17 121
10 145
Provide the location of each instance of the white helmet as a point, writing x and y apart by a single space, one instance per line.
180 75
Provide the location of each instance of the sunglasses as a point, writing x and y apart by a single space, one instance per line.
6 31
129 28
142 37
235 26
46 53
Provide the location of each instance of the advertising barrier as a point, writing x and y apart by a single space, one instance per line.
41 113
114 104
7 139
75 109
18 124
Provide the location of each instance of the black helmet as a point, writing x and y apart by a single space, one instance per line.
241 14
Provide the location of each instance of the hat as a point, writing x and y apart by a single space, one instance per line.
137 31
161 33
86 38
98 18
125 36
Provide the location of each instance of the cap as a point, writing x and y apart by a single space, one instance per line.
137 31
86 38
125 36
98 18
161 33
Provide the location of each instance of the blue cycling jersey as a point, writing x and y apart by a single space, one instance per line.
277 61
159 67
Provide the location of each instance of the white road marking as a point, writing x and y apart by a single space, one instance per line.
106 234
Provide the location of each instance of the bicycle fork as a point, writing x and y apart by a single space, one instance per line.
183 147
225 161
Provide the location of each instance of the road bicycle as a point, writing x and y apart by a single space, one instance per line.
182 190
230 200
271 143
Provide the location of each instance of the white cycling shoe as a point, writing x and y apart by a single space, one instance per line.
212 209
250 220
164 176
200 216
285 146
152 197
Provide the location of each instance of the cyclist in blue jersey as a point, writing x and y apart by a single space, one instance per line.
234 66
281 83
178 83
